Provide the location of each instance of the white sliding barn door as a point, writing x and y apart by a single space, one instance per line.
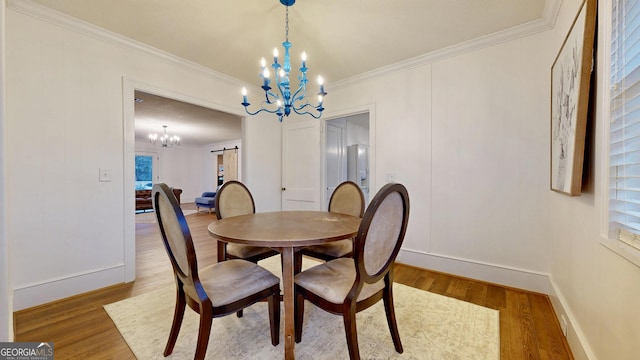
230 161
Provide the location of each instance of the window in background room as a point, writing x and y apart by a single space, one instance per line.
624 126
144 172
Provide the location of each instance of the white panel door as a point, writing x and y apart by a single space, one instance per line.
301 165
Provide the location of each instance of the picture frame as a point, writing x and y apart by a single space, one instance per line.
570 80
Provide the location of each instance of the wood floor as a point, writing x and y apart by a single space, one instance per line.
81 329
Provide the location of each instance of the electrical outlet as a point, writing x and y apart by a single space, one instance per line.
105 175
563 325
390 177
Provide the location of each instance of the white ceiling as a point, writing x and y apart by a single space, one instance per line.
194 125
342 38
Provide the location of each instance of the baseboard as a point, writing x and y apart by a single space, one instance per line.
506 276
55 289
493 273
575 337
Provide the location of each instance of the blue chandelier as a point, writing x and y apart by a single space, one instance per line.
282 102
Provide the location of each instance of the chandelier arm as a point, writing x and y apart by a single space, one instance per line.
295 96
308 113
307 105
274 96
246 108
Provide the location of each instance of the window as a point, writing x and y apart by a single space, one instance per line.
144 172
624 126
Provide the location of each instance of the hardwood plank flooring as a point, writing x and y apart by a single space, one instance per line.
81 329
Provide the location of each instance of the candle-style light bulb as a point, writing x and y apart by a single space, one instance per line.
245 103
320 99
281 73
275 55
265 78
263 63
304 59
321 82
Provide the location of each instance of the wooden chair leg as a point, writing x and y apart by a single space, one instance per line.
349 316
274 318
178 315
297 263
387 298
206 318
299 316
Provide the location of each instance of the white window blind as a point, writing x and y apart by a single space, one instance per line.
624 152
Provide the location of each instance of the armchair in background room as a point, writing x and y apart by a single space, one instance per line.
207 200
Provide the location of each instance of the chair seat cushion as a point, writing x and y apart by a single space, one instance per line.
245 251
333 280
232 280
334 249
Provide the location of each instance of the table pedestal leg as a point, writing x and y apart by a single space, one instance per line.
289 316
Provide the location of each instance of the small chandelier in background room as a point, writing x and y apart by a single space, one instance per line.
165 140
284 100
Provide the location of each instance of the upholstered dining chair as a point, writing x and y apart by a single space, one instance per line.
234 199
347 199
216 290
345 286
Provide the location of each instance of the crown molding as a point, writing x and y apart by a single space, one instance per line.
30 8
549 16
545 23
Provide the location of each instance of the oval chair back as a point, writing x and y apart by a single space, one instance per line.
177 238
347 199
381 232
233 199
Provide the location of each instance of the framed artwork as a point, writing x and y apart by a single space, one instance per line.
570 78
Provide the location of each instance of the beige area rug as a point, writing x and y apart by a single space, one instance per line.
431 327
150 217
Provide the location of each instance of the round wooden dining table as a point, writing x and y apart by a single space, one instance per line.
286 232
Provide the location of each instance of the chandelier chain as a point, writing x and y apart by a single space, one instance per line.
286 26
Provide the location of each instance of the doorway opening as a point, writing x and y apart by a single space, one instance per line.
347 155
181 167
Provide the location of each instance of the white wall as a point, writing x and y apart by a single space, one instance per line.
597 290
6 292
183 167
468 135
65 85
